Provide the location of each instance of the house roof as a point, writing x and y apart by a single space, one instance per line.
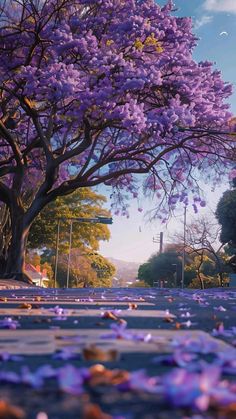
34 273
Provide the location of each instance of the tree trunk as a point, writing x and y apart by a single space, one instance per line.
200 276
5 236
199 272
20 225
200 280
16 254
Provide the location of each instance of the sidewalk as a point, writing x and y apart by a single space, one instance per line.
118 353
12 284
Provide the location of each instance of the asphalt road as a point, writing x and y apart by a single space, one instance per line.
50 339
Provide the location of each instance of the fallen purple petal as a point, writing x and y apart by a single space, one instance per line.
70 380
9 323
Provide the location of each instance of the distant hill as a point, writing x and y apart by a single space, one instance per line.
125 271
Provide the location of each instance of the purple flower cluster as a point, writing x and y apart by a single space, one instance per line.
103 91
203 389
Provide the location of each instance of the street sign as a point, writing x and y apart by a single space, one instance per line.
105 220
101 220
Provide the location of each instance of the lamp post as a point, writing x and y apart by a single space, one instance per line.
95 220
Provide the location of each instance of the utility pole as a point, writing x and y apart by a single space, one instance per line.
184 244
160 241
69 255
57 250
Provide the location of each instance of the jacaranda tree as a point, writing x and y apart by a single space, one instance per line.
98 91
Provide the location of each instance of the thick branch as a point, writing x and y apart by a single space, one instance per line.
11 141
80 148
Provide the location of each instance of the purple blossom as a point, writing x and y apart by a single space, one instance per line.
36 379
66 353
57 310
221 331
9 377
140 381
5 357
85 87
187 315
227 361
199 344
177 358
70 380
119 331
188 323
220 308
199 390
9 323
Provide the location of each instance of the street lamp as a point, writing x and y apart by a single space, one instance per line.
98 219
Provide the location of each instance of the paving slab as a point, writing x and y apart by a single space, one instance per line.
91 312
56 301
45 342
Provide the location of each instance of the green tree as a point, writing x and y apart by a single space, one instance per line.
104 269
226 216
209 282
203 272
145 273
81 273
229 258
86 266
163 268
208 267
86 269
189 274
83 203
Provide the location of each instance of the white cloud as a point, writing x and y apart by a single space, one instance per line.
203 20
220 5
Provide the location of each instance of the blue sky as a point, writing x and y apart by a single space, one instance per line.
214 23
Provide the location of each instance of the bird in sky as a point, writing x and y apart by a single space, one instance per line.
224 33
